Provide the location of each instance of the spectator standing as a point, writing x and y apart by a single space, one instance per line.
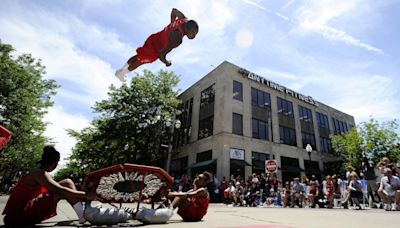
224 185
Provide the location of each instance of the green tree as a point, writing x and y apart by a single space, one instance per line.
348 147
129 126
24 99
372 139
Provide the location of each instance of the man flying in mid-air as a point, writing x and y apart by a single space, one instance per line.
158 45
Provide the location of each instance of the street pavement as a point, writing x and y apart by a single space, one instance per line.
224 216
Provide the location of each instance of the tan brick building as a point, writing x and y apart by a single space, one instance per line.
233 120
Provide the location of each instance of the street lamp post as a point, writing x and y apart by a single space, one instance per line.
172 124
309 150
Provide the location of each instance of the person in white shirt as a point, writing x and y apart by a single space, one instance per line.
390 188
229 191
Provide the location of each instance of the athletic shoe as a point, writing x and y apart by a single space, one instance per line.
120 75
387 207
393 207
398 207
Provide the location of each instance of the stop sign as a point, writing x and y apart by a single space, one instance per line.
271 166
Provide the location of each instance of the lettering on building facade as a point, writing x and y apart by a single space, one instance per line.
276 86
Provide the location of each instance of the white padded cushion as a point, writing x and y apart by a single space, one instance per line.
154 216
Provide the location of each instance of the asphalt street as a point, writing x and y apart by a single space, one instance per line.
220 215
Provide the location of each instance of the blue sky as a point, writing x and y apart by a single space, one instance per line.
344 53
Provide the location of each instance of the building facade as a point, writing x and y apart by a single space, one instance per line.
233 120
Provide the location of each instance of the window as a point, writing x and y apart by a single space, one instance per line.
237 91
308 138
259 129
260 98
204 156
287 136
322 120
206 127
184 131
207 96
285 107
258 162
237 124
305 114
339 127
326 145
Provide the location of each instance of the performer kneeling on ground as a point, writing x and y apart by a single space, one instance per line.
158 45
193 205
35 197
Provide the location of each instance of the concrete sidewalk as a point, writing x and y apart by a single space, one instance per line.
220 215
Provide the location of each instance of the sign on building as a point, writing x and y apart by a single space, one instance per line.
237 154
271 166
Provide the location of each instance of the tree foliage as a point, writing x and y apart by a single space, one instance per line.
129 126
24 99
371 139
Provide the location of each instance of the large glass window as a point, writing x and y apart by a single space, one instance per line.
305 114
339 127
237 124
204 156
287 136
258 162
260 98
207 96
285 107
322 120
326 145
308 138
237 91
259 129
206 127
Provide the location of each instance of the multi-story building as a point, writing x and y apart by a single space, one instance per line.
233 120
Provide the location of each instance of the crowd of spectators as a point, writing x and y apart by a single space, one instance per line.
375 186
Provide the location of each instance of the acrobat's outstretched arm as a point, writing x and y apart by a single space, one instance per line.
176 14
175 40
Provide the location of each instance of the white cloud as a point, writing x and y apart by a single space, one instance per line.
59 121
359 95
63 59
256 4
84 77
318 15
287 5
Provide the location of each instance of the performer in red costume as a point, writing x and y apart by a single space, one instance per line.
5 136
158 45
36 194
193 205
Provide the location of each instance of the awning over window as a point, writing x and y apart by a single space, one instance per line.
201 164
240 162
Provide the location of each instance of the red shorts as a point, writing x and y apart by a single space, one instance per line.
192 213
149 52
35 211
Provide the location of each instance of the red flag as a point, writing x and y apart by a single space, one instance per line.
5 136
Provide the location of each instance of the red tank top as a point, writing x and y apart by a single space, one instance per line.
21 195
163 35
329 187
200 201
